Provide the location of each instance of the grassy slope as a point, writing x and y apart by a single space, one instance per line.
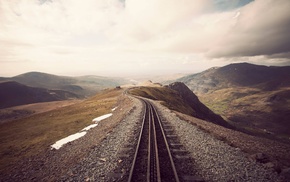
220 100
168 98
251 109
29 136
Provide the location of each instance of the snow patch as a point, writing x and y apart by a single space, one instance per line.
102 117
89 127
114 108
68 139
57 145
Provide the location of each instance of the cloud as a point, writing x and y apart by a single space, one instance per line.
281 55
261 29
30 27
144 21
257 28
53 33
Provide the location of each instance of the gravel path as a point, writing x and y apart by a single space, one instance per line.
214 159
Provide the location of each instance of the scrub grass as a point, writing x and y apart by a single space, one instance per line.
26 137
168 97
254 111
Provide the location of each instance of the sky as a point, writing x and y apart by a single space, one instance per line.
135 37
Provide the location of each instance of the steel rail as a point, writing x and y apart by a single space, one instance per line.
167 146
149 146
153 164
138 145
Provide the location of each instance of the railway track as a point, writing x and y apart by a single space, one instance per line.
152 160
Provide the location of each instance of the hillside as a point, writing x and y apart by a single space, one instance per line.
32 135
177 96
82 85
253 98
13 94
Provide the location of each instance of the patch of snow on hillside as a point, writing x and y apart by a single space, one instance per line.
89 127
102 117
68 139
57 145
114 108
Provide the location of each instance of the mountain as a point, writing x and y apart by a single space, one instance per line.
82 85
239 75
13 94
253 98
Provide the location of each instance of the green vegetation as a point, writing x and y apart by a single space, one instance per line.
168 98
222 101
252 110
29 136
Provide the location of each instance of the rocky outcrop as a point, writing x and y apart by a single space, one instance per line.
199 109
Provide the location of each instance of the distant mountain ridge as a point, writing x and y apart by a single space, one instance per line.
238 74
82 85
14 94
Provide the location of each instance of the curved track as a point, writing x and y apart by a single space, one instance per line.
152 160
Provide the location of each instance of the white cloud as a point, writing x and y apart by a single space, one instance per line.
136 34
262 29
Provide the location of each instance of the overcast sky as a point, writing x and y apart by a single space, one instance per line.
130 37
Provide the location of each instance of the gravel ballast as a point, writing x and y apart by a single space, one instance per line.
214 159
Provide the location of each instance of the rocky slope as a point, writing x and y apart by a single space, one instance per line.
199 109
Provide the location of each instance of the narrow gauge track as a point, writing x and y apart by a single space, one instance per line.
152 160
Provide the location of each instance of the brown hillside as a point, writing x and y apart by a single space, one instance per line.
179 97
253 98
13 94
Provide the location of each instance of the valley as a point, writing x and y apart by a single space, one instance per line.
251 110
